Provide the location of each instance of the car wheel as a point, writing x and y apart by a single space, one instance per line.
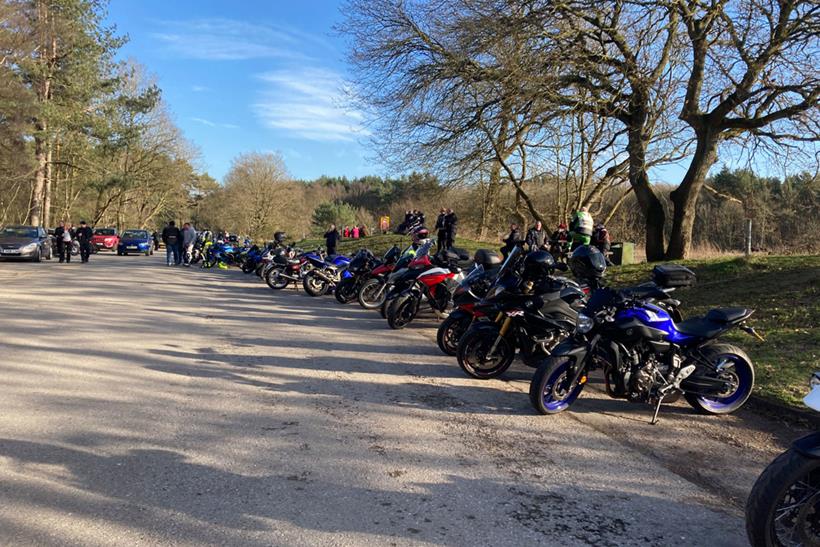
36 257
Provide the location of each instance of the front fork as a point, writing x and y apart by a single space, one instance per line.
505 326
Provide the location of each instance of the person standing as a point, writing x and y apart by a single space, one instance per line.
84 234
68 237
188 240
331 239
58 240
512 240
441 234
171 237
355 233
155 237
450 228
581 228
536 237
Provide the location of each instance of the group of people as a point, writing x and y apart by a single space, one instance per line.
446 227
413 221
354 232
64 236
179 244
581 231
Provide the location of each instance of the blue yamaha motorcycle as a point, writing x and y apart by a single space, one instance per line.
325 274
647 356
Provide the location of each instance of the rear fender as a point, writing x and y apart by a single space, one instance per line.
808 446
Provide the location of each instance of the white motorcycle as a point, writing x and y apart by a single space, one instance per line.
783 508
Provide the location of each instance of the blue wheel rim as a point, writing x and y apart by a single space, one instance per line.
551 403
744 376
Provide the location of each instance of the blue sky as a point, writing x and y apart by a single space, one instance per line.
247 76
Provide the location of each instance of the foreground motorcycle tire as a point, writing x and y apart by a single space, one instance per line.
346 290
274 280
402 312
371 294
546 393
451 330
741 372
314 285
474 347
248 267
774 512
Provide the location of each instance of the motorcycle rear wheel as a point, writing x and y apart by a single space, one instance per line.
781 509
314 285
473 348
403 310
346 290
371 294
741 373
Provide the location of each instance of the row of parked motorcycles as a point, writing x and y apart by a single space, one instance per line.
562 320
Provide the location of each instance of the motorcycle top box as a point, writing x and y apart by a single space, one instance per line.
672 276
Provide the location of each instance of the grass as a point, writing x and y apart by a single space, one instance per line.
783 290
785 293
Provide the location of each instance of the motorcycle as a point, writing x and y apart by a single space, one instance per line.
782 506
534 318
403 278
288 265
360 268
373 291
435 285
325 274
471 290
645 355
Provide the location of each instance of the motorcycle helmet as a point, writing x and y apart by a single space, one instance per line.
420 235
538 265
587 262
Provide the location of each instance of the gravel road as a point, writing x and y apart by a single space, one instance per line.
146 405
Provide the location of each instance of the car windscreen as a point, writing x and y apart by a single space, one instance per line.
19 231
105 232
134 234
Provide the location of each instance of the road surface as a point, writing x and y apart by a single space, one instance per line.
146 405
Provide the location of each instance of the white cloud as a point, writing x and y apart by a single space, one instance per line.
309 103
199 88
228 39
209 123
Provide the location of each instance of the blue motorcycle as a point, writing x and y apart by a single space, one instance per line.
648 356
325 273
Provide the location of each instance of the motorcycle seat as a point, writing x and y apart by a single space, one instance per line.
728 315
700 327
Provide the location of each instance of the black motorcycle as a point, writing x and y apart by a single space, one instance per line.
362 263
647 356
782 508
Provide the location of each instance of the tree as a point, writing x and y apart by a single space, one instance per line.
340 214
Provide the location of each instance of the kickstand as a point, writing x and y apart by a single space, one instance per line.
657 409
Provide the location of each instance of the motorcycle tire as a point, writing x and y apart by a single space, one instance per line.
779 510
315 286
248 267
451 330
346 290
402 312
371 294
274 280
546 395
473 348
742 373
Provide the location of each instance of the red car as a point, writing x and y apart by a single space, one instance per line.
105 239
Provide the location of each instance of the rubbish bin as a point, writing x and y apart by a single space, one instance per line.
623 252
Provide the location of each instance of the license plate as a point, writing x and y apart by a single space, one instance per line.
132 247
11 251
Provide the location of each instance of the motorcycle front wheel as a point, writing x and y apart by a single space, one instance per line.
314 285
451 330
784 505
403 310
274 280
371 294
548 394
346 290
477 357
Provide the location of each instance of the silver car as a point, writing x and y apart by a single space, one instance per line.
27 242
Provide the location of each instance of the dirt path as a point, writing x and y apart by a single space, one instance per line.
147 405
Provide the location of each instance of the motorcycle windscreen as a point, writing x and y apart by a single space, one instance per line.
812 400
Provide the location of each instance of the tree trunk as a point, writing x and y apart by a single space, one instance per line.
651 206
47 189
685 196
490 201
41 156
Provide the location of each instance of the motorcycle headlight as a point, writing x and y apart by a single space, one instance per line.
584 324
815 380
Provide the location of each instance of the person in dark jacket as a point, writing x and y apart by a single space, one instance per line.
58 240
441 234
155 237
450 228
83 235
172 238
331 239
537 237
512 240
